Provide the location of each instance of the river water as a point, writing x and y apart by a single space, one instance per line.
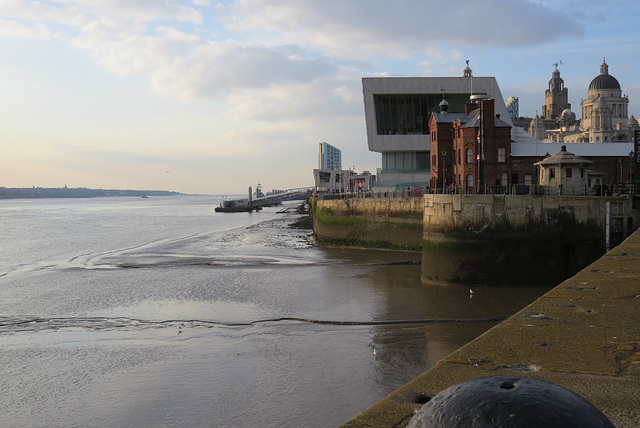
131 312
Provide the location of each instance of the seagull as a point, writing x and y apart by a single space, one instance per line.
374 352
471 291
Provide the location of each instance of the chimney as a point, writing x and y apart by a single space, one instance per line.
469 107
488 116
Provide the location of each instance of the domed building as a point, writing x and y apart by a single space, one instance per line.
605 116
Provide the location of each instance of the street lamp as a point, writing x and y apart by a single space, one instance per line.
630 166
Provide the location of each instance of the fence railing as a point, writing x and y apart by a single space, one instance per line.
517 189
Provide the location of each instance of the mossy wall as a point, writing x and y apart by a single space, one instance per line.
393 223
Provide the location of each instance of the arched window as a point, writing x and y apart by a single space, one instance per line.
469 181
469 155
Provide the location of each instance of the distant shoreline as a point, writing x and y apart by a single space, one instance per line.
78 192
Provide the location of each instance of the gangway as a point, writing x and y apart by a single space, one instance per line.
256 204
300 193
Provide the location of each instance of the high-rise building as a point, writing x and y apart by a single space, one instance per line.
329 157
512 107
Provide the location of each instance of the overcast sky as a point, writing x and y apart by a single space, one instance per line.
203 96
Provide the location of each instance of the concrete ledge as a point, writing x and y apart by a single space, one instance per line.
583 335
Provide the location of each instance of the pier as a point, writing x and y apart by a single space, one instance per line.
252 203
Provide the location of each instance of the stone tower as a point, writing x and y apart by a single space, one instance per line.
556 97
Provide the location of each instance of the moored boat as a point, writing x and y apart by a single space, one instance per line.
236 205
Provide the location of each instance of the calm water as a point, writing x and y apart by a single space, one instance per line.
131 312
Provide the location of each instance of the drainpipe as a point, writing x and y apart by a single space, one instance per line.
607 226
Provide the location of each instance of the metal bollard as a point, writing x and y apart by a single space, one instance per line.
506 402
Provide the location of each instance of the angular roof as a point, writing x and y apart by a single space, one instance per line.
563 157
539 149
473 122
446 117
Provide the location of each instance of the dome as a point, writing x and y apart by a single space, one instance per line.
566 112
604 80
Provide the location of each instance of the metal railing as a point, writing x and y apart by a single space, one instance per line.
516 189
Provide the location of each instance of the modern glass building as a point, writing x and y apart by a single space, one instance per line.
329 157
397 112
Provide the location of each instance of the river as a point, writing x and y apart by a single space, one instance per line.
131 312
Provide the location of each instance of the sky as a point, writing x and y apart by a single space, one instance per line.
211 97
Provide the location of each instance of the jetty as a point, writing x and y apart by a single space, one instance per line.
256 201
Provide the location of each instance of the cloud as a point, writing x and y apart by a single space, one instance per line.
183 51
16 30
335 95
404 27
219 68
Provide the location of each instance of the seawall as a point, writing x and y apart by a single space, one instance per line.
518 239
583 335
391 223
505 240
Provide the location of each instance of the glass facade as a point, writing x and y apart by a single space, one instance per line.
405 161
408 114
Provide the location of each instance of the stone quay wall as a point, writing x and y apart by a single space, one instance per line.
481 213
391 223
518 240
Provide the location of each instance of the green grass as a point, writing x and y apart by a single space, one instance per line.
325 217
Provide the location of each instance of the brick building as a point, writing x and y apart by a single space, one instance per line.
474 152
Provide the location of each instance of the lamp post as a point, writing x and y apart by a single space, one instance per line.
630 166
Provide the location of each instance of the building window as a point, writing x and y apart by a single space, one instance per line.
469 181
503 179
552 173
528 179
569 173
422 158
433 162
469 155
408 114
502 154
